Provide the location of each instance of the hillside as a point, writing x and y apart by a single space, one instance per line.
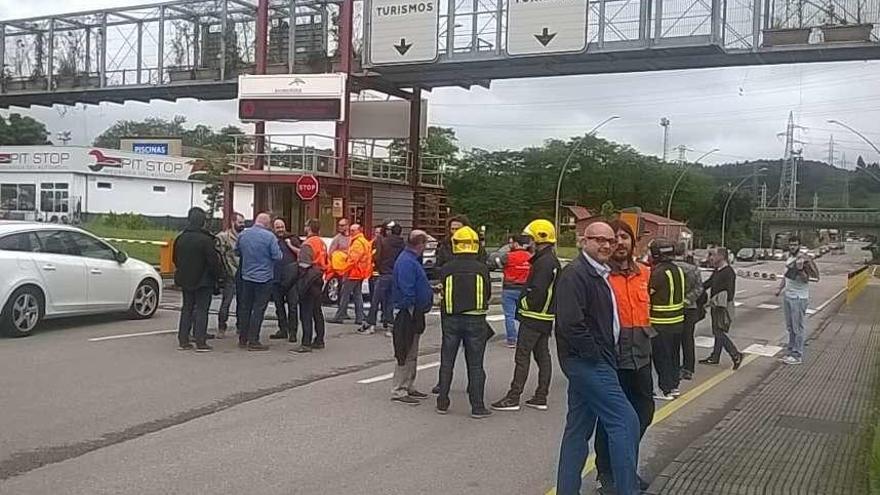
814 177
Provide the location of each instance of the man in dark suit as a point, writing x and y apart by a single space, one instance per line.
587 332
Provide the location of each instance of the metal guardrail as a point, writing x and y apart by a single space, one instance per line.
848 217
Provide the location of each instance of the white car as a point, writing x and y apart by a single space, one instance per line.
52 271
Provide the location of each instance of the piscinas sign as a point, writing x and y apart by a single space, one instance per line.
96 161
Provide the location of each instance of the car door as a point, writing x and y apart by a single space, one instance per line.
63 272
109 282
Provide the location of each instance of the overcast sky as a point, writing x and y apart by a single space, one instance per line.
741 111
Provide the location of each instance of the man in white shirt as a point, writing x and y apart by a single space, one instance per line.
795 285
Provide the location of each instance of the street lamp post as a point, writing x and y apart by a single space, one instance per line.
727 203
680 177
865 139
565 167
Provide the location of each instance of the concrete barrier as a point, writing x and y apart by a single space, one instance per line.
856 282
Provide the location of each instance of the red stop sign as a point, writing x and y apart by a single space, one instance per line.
307 187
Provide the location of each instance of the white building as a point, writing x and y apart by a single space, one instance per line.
42 182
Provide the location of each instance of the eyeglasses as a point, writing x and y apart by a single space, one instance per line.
611 241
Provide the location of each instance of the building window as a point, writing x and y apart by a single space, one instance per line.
18 197
104 185
54 197
159 189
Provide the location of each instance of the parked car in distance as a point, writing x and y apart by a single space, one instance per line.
53 271
746 254
778 255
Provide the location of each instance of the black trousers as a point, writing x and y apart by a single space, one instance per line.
531 342
688 356
638 385
311 314
720 327
286 303
194 315
666 351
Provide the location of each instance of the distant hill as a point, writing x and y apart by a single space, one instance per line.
813 177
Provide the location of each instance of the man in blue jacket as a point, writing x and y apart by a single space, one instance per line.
587 331
259 251
412 298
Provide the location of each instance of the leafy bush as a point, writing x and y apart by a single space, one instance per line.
126 221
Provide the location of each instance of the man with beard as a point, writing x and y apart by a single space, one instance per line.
629 280
795 285
388 247
227 241
285 295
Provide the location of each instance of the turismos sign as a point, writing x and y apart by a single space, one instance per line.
97 161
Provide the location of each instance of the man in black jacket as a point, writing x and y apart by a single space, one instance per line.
198 270
388 248
587 331
466 292
536 310
285 295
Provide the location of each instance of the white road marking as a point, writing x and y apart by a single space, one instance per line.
388 376
812 311
434 313
705 342
768 306
763 350
826 303
740 292
737 304
495 318
127 335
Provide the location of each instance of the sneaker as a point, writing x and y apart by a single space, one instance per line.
687 375
317 345
480 413
301 349
415 394
242 345
675 393
184 347
442 406
210 336
278 335
709 360
737 362
793 360
389 334
436 390
292 340
663 396
203 348
366 330
406 400
221 333
257 347
510 345
605 485
506 404
539 404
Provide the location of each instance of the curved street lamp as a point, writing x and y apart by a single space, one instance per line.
730 197
565 167
684 172
865 139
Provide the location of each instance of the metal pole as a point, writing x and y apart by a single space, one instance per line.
726 205
450 28
565 167
223 27
140 51
291 37
161 48
601 24
343 126
415 138
261 56
2 53
50 73
102 62
658 21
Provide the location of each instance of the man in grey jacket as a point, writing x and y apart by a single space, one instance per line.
227 242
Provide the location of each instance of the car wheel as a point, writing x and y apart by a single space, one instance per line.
331 291
23 312
145 302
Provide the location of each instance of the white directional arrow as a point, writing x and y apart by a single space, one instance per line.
546 26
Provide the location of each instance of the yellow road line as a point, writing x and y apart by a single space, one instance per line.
670 409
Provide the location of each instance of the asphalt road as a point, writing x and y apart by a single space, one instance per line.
128 413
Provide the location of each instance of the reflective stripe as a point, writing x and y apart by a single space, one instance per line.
480 293
538 316
475 312
448 294
674 307
667 321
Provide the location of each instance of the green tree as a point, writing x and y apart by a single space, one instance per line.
19 130
201 141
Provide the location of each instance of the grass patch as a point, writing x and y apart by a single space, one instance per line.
874 475
143 252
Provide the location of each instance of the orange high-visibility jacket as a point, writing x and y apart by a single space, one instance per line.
633 300
360 258
319 251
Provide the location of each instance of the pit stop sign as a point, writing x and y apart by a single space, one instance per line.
307 187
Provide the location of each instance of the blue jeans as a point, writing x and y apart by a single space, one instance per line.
254 300
381 295
510 302
471 331
594 392
796 323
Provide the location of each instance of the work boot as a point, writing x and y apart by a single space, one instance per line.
737 361
687 375
203 348
185 347
301 349
410 401
480 413
709 360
